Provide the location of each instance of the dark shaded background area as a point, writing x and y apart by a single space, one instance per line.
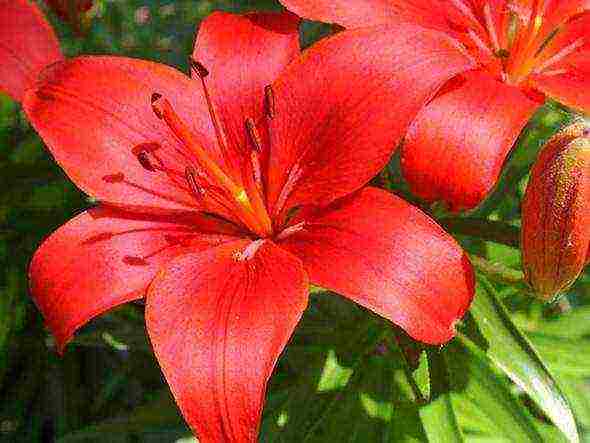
342 379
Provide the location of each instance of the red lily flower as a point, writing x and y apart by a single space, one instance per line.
65 8
71 11
221 197
27 45
524 49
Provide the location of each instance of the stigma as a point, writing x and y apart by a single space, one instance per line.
233 180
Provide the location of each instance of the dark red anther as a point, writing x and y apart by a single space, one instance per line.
191 179
198 67
269 102
145 162
154 101
119 177
254 134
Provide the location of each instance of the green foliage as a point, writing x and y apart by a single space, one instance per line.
518 371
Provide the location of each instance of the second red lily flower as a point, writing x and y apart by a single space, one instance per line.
224 194
524 50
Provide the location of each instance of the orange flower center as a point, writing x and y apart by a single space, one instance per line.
212 183
518 41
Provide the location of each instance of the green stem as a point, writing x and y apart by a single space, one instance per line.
498 232
498 271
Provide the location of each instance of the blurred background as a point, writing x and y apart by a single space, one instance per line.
339 380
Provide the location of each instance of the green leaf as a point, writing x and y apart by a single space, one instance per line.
572 324
506 346
578 391
438 416
155 421
475 382
564 355
345 382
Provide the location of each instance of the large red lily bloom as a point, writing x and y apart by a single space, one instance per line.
524 49
223 195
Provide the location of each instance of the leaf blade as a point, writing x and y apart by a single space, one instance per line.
512 353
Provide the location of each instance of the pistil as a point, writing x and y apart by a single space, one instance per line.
256 220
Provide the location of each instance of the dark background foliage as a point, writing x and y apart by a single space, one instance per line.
347 375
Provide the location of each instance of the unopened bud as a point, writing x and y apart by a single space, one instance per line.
555 237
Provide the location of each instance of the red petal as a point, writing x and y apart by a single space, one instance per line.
103 258
27 45
94 113
243 54
388 256
455 149
558 12
218 324
566 68
333 134
361 13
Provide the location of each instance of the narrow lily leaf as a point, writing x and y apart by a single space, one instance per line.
475 381
508 348
565 356
438 416
12 314
578 391
571 324
160 417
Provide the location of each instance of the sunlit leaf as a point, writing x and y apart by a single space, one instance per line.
474 381
508 348
564 356
438 416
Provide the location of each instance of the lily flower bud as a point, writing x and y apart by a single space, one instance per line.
555 237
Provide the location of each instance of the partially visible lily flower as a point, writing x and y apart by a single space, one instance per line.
72 11
524 50
556 213
224 194
27 45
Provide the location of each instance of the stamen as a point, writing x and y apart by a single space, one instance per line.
256 170
154 101
560 55
254 134
512 29
249 252
119 177
269 102
491 28
555 72
202 72
145 162
464 9
198 67
294 176
479 42
287 232
190 176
